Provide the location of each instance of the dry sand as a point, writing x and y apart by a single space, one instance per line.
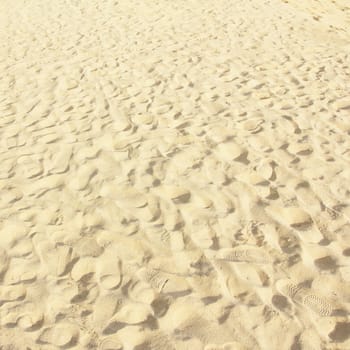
175 174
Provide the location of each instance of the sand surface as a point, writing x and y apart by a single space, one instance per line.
174 174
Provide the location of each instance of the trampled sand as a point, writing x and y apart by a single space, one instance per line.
175 174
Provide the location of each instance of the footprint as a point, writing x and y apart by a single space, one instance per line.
292 216
83 269
141 292
111 343
12 293
149 213
222 203
177 194
254 275
342 104
202 200
266 170
130 314
253 125
306 297
317 304
56 259
125 196
88 247
31 318
212 108
308 198
219 133
253 178
319 257
260 143
243 253
206 331
92 220
144 121
22 270
104 308
300 149
58 162
109 272
61 335
156 341
271 236
214 172
229 151
203 237
155 278
231 285
299 220
171 216
120 120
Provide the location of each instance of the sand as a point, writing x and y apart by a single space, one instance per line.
174 174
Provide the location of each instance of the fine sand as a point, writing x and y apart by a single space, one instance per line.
175 174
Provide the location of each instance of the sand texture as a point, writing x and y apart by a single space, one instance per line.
175 174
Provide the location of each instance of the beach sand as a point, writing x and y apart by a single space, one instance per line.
174 174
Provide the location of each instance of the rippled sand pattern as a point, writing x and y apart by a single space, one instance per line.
174 174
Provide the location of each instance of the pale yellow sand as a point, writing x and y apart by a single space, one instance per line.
174 174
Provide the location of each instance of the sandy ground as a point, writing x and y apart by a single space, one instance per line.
174 174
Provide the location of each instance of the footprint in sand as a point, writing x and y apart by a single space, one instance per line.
121 122
12 293
104 308
243 253
111 343
88 247
253 126
109 272
145 121
29 317
299 220
212 108
22 270
163 282
84 269
125 195
230 284
131 314
176 194
64 335
307 298
58 162
229 151
154 277
55 259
